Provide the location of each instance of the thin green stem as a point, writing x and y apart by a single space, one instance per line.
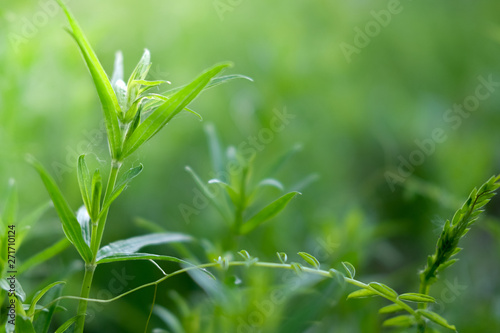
97 232
82 305
320 272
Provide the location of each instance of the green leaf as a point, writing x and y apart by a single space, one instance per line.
117 69
213 82
267 212
140 72
105 91
436 318
418 298
137 256
96 196
134 244
67 324
44 255
70 224
122 183
351 271
383 289
400 321
84 181
311 260
43 318
169 319
362 293
162 115
38 296
25 225
391 309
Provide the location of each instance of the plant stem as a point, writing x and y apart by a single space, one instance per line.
97 232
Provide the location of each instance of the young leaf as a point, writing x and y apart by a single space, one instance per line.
162 115
391 309
400 321
383 289
117 69
267 212
233 195
105 91
351 271
418 298
134 244
311 260
436 318
122 183
362 293
137 256
70 224
84 181
95 198
38 296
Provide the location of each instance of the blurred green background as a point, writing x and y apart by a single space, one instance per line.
354 117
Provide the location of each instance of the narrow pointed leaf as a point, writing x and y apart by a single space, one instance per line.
39 295
383 289
134 244
96 196
105 91
213 82
118 68
391 309
84 181
400 321
362 293
436 318
271 182
122 183
69 222
162 115
233 195
418 298
268 212
137 256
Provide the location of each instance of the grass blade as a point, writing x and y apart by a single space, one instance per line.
162 115
70 224
268 212
105 91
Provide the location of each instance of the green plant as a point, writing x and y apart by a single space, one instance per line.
134 115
